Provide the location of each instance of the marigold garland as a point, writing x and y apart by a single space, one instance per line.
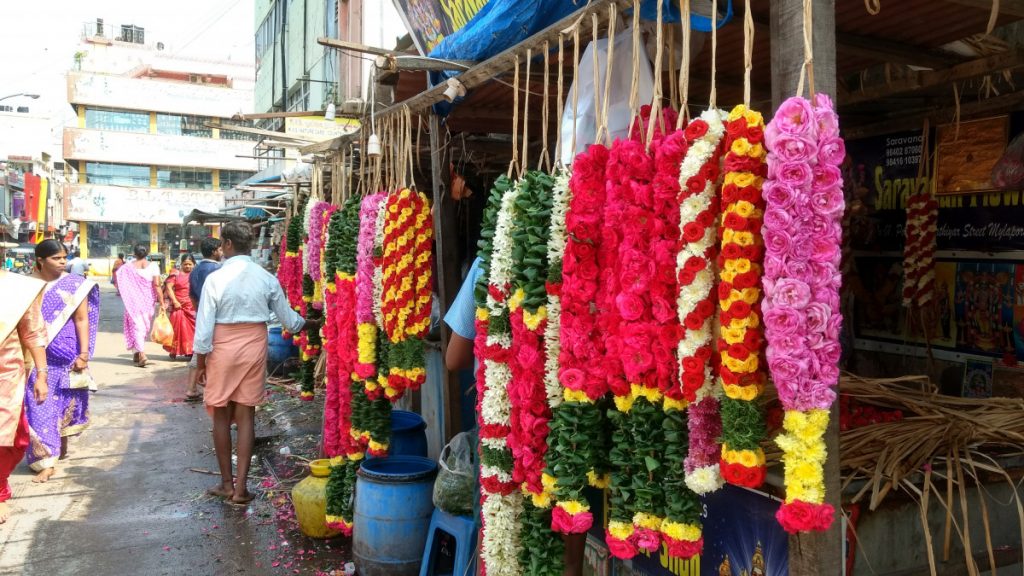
577 423
408 240
740 343
803 235
501 501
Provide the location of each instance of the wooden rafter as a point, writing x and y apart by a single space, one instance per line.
907 120
1014 8
895 52
920 80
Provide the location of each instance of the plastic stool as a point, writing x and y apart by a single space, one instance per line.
463 529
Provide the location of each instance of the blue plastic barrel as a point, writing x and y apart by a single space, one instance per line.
408 434
279 349
393 506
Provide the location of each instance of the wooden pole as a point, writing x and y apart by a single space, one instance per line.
449 277
816 553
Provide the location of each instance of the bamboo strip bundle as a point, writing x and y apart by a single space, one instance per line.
940 437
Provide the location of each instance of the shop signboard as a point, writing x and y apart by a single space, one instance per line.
157 149
318 128
881 173
130 93
433 20
94 203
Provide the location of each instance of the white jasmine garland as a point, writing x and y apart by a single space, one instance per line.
499 548
501 256
556 252
378 271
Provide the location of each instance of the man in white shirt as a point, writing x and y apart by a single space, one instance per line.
231 350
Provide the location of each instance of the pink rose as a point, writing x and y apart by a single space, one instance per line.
565 523
798 269
833 326
824 250
778 195
776 242
826 176
777 218
794 117
787 345
783 320
827 296
829 373
817 316
825 118
788 148
774 265
571 378
786 368
829 353
646 539
831 151
792 293
828 201
795 175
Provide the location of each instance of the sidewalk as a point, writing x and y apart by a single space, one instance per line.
126 501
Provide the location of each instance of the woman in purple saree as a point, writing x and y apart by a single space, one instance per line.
71 309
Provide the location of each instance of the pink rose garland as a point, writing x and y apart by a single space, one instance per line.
803 235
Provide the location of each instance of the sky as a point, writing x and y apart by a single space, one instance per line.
40 38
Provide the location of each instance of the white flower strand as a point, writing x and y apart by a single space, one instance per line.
378 271
499 549
557 241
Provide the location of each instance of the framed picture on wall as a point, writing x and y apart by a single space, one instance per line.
966 153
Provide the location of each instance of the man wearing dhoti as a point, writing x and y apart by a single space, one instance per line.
231 350
21 330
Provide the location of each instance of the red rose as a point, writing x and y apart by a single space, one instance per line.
704 353
695 184
620 548
692 232
755 134
735 129
727 376
731 251
739 309
693 364
752 339
739 351
696 129
691 382
705 308
709 171
686 277
694 321
725 290
746 194
565 523
706 218
745 280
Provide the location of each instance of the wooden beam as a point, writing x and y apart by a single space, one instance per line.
888 51
356 47
414 63
266 115
820 552
486 70
1014 8
256 131
920 80
912 121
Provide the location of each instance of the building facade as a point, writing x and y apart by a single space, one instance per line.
146 144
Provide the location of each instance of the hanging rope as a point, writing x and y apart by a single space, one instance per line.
673 91
603 110
559 104
992 17
684 68
575 88
544 115
713 98
808 66
656 100
513 165
748 50
412 151
526 116
597 79
634 93
873 6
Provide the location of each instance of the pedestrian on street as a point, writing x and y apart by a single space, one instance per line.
212 254
117 265
183 313
71 312
21 328
231 350
139 285
76 264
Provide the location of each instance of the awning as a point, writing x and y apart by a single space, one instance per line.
200 217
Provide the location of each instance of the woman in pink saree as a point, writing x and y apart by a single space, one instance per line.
139 285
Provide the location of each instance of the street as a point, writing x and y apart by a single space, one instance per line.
130 497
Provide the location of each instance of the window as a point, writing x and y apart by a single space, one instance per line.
331 19
179 125
231 178
108 239
226 134
116 120
178 177
298 100
116 174
267 33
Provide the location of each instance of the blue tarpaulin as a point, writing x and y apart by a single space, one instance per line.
501 24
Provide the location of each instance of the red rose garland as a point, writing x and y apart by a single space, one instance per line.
919 250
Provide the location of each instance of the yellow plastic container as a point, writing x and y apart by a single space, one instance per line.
310 499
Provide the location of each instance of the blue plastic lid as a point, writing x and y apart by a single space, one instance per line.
398 469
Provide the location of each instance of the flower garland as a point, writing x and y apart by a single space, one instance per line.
803 235
641 343
366 363
542 552
332 333
408 240
341 249
501 501
557 240
577 424
318 218
919 248
740 344
292 263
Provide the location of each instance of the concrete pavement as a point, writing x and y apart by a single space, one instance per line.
126 502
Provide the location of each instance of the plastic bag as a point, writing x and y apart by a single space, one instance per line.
1008 173
162 332
455 486
591 96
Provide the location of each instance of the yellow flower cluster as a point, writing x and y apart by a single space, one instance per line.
647 520
408 234
747 458
681 531
803 454
600 482
620 530
367 344
570 395
573 507
625 403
